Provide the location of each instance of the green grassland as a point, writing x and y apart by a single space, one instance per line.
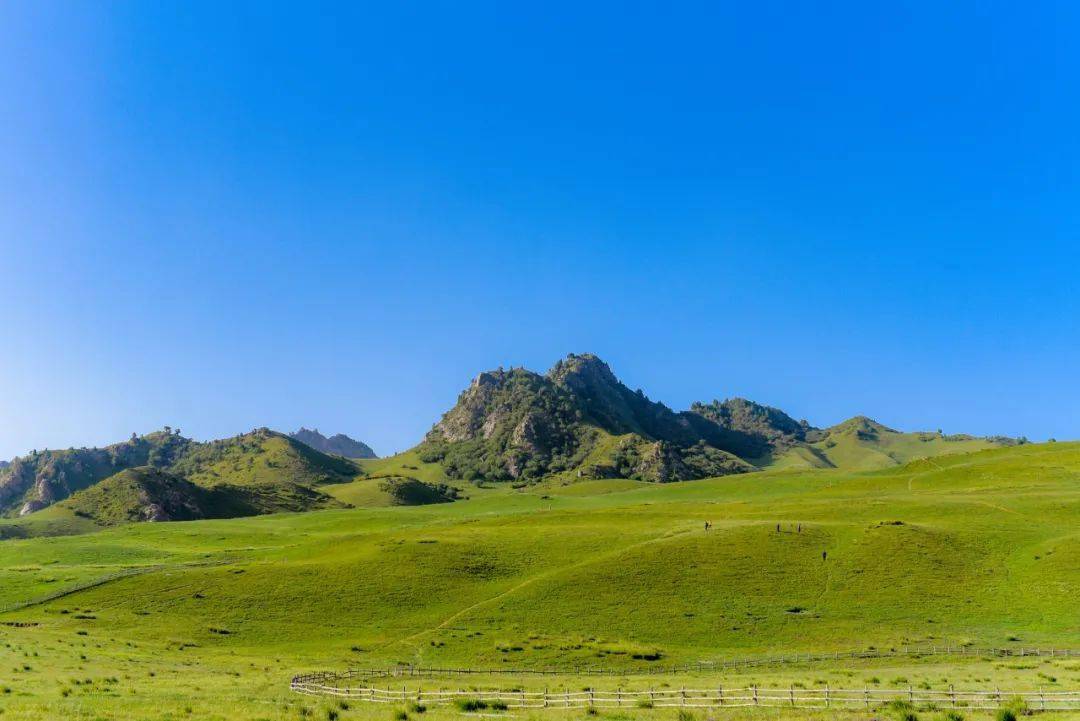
862 444
968 548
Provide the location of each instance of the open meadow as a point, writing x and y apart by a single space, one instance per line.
960 551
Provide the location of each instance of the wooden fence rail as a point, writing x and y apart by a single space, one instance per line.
361 684
792 697
83 586
113 576
699 666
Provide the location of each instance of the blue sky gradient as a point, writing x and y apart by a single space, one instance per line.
265 214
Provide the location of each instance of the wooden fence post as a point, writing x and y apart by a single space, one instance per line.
828 703
952 695
791 693
755 695
720 695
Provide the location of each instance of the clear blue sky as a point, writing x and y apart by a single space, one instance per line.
219 216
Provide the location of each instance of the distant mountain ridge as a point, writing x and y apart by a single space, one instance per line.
577 421
338 444
579 418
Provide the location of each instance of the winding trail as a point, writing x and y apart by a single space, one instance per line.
541 577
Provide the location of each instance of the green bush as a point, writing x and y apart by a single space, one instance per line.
684 715
470 704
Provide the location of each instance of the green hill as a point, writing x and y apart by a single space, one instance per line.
863 444
150 494
973 548
258 472
261 457
139 494
42 478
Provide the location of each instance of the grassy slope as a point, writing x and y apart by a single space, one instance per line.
989 550
846 450
407 463
263 458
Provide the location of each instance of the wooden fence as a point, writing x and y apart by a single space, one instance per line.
729 664
717 697
102 580
362 685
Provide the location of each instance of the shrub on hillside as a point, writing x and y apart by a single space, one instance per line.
470 704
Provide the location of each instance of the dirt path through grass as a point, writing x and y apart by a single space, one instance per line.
540 577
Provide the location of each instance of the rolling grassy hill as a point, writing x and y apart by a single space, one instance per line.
977 548
257 472
863 444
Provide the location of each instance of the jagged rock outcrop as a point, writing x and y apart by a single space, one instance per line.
517 424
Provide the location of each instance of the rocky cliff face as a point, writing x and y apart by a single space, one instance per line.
508 424
614 407
338 444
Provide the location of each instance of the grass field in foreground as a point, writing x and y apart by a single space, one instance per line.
981 548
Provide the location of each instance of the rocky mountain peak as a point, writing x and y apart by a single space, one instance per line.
338 444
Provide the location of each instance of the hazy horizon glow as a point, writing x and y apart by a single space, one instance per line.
219 217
